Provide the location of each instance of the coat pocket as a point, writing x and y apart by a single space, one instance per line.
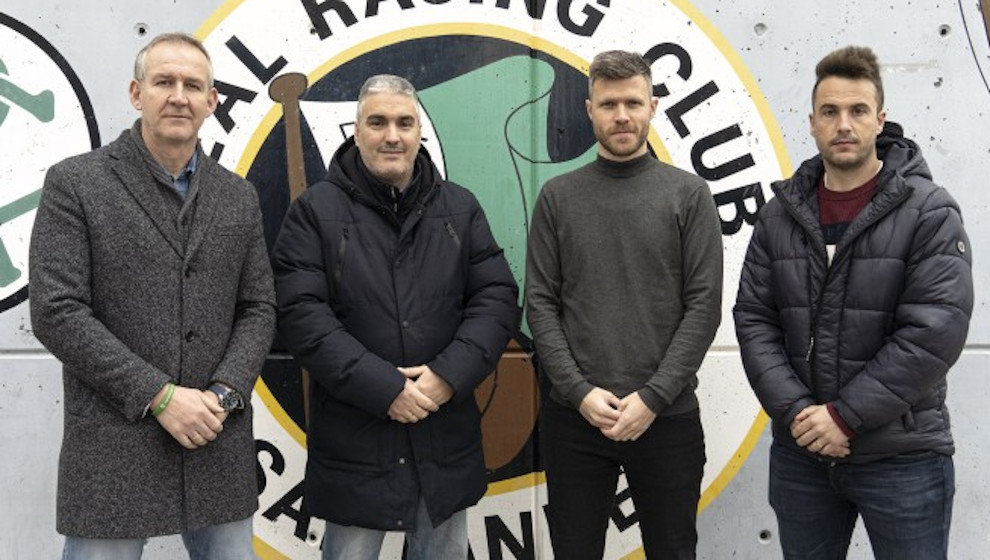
233 229
346 436
458 431
909 422
80 400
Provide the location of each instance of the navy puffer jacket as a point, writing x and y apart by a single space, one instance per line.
358 296
876 333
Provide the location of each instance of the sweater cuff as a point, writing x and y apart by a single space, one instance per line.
837 418
576 395
652 400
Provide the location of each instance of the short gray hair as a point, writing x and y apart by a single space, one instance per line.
386 83
618 65
173 37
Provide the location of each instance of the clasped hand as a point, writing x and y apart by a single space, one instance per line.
193 417
423 393
814 429
618 419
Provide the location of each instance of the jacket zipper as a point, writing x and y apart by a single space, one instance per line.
338 266
453 234
809 231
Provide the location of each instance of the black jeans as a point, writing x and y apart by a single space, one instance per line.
663 468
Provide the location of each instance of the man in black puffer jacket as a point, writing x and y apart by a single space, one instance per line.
854 301
394 295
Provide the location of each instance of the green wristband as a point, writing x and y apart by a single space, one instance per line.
164 402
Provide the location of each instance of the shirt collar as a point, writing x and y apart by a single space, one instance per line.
190 167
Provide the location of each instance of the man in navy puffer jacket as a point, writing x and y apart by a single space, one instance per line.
854 301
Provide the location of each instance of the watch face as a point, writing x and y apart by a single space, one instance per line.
229 398
229 401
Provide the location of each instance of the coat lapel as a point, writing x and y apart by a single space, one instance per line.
130 167
208 201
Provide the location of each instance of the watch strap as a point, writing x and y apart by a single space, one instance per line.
230 399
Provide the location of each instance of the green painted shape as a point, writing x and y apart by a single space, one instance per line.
19 207
492 124
42 105
4 108
8 272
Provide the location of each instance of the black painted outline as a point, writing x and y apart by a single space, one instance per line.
87 108
972 47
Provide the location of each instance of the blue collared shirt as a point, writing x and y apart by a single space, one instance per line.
181 182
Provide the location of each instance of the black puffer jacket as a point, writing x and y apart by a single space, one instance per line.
876 333
358 296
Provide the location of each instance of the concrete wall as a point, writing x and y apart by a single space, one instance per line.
502 93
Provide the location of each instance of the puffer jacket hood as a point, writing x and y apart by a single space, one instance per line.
347 172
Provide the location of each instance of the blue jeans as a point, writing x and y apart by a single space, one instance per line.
229 541
449 541
905 501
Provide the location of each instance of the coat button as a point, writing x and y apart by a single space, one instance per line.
399 523
398 262
188 272
402 460
190 336
961 245
405 324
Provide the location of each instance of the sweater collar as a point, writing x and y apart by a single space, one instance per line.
623 169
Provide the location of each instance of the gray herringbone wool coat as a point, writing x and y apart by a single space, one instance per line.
128 305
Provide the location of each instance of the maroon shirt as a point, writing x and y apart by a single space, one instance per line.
836 210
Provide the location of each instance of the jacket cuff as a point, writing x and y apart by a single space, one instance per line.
387 388
151 386
788 417
460 384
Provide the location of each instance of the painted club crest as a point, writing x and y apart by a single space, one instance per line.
502 88
45 116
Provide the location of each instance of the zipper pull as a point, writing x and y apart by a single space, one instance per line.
811 346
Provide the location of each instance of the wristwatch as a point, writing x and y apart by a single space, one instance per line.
230 399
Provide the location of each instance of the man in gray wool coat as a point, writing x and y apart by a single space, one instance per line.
150 282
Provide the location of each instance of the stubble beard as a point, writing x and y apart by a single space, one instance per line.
617 150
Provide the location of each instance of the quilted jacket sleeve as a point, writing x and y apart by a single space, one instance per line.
761 338
311 330
490 314
931 322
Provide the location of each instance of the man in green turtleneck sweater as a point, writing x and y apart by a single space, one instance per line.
624 282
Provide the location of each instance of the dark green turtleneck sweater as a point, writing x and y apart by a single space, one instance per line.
624 281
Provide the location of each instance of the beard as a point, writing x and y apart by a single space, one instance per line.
848 161
619 149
